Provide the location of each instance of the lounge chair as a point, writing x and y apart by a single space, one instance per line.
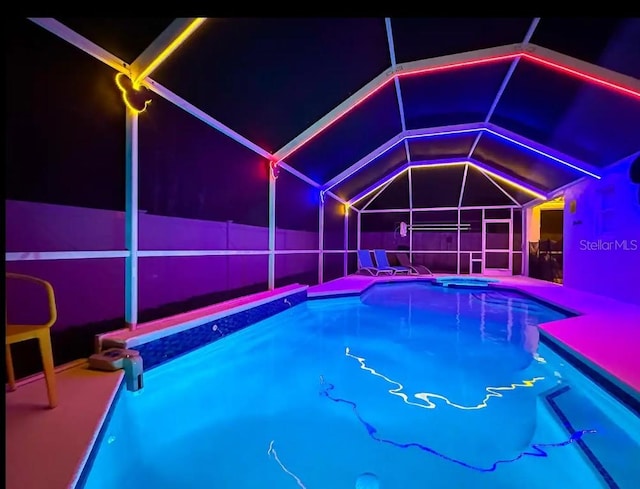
383 263
366 265
404 260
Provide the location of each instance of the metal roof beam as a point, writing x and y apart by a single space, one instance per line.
582 69
82 43
440 63
543 150
163 46
391 143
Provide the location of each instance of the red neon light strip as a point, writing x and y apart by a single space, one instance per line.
336 118
461 64
490 59
580 74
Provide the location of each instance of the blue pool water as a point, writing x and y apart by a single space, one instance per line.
410 385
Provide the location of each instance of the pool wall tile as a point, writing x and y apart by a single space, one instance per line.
161 350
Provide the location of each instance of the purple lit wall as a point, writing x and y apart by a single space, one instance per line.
370 240
31 226
196 234
86 291
96 285
378 230
92 290
171 285
602 236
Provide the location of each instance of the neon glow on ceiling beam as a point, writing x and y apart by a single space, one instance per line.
508 179
503 178
397 72
177 33
541 55
396 173
385 148
529 54
489 128
543 153
635 93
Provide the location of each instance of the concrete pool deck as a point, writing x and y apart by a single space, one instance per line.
46 448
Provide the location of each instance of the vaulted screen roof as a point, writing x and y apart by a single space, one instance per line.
449 109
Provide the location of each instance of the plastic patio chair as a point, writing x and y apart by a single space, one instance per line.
366 265
16 333
404 260
383 262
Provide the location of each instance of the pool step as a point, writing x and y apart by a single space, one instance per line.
512 301
612 451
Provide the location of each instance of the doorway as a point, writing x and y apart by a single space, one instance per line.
496 247
546 241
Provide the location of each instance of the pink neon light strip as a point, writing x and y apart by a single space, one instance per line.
584 76
431 69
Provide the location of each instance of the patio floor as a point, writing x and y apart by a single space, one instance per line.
47 448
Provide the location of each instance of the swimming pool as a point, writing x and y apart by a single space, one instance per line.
419 385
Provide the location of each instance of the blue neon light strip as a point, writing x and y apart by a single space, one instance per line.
542 153
472 130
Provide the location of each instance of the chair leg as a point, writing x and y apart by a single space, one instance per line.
11 376
47 363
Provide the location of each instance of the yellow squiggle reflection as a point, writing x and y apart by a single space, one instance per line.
426 396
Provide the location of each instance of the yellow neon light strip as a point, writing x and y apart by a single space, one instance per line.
483 170
125 91
169 49
426 396
354 202
434 165
437 165
509 182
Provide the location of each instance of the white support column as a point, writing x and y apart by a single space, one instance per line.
359 230
458 248
409 173
346 239
321 240
505 81
511 241
131 220
272 230
484 241
499 187
525 243
460 197
380 189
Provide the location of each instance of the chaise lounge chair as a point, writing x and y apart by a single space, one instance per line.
366 265
383 263
404 260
